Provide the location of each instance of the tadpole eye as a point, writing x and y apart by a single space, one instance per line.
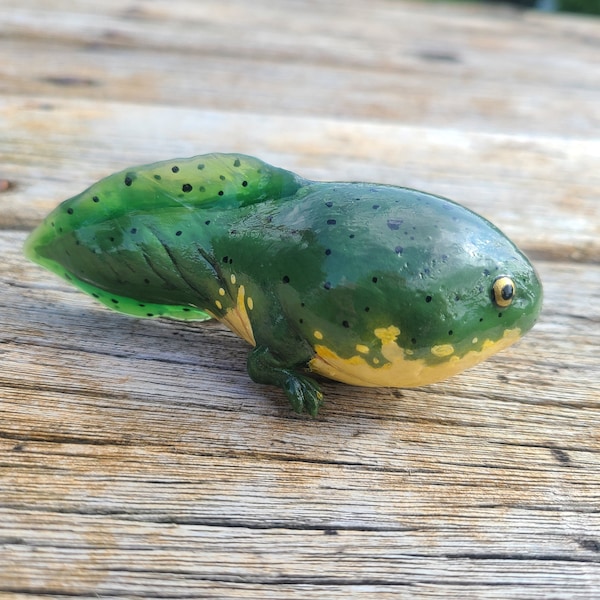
503 291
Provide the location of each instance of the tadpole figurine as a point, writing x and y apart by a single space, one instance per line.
371 285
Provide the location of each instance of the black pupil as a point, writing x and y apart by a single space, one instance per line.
507 292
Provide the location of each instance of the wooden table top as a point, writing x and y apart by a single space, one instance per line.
139 459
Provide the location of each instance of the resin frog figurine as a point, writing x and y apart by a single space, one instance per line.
371 285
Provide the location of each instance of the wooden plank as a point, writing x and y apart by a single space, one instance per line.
391 61
527 186
150 443
139 460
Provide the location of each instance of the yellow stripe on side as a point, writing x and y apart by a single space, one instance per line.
237 318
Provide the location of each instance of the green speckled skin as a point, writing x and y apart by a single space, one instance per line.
364 283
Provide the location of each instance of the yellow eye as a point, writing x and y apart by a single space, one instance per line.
503 291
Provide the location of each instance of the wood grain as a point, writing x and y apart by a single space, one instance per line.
140 461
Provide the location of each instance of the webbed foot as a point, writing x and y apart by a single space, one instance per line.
303 392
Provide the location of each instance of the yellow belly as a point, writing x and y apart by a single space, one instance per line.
401 370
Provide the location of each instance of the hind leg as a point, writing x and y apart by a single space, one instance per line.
302 392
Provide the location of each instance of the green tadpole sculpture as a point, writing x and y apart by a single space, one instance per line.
371 285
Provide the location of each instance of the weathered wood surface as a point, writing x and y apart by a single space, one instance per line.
138 458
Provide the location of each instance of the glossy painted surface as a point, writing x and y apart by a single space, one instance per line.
367 284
